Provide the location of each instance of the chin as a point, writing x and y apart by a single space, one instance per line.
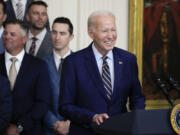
109 48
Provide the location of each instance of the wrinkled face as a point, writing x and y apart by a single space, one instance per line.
13 39
2 15
37 16
103 33
60 36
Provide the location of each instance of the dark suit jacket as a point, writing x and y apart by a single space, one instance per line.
53 115
46 46
5 104
30 94
11 13
82 92
1 46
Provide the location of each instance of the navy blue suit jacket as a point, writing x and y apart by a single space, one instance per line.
30 95
5 104
82 92
53 115
11 13
1 46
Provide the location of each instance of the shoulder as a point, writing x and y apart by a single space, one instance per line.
124 54
34 60
47 35
47 40
79 54
48 57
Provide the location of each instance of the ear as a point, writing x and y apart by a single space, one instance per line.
4 17
27 16
72 36
25 38
91 33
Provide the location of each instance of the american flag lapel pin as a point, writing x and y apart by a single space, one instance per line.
120 62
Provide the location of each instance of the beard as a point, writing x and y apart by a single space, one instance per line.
37 27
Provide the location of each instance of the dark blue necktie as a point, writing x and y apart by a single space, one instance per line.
60 65
106 77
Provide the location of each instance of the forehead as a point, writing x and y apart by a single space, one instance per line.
1 7
12 27
101 21
38 8
60 27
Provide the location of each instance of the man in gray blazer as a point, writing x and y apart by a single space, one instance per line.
39 40
62 34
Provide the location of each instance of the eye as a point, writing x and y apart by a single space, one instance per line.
113 30
63 33
54 32
104 31
35 13
44 14
13 34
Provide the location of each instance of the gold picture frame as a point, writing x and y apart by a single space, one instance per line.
135 46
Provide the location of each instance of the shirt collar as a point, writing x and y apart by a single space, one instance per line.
1 31
18 56
99 56
40 36
56 56
14 2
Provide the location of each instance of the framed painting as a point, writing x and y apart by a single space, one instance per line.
154 37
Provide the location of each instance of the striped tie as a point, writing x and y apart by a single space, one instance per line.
33 46
19 10
106 77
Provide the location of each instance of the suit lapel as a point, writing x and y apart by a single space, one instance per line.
12 12
25 65
26 9
118 68
45 46
53 69
3 70
93 71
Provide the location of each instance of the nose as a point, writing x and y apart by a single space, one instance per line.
58 36
110 34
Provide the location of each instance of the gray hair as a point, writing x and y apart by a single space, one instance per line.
22 24
92 17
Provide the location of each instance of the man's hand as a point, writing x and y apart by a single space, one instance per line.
62 127
12 130
99 118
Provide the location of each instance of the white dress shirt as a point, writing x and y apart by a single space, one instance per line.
14 4
1 31
110 61
8 62
57 58
40 38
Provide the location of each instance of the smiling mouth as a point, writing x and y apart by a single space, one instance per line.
108 42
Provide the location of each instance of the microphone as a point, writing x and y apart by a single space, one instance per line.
163 86
173 83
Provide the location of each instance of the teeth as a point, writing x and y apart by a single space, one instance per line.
108 42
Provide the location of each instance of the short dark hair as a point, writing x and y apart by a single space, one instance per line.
21 23
66 21
3 5
41 3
